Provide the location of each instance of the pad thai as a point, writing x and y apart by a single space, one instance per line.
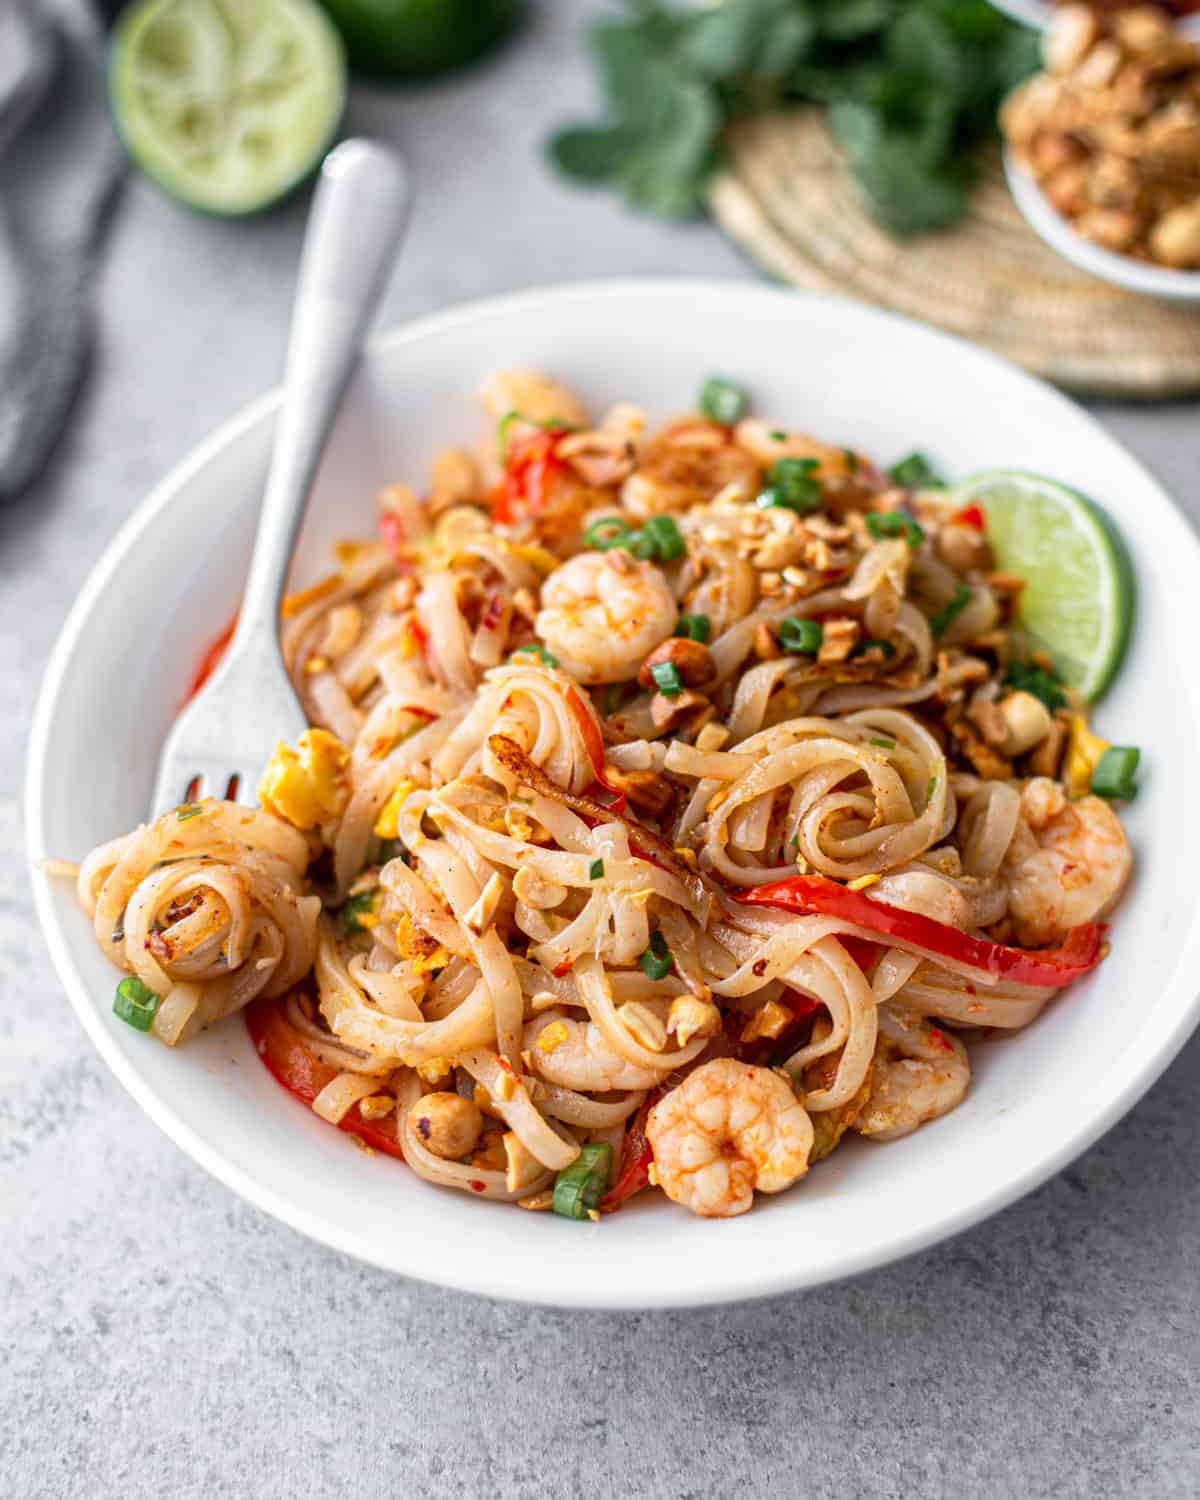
677 802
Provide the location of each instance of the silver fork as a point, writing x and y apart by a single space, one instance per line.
223 738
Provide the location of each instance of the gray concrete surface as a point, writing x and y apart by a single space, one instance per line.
160 1340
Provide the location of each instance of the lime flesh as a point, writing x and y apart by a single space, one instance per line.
227 104
1078 601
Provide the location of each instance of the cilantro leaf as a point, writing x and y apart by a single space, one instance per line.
592 154
911 86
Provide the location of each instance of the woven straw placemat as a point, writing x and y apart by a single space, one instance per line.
787 199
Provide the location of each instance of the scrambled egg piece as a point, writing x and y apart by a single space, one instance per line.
1084 750
310 785
387 824
552 1036
425 953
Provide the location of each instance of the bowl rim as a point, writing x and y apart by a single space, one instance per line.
1161 282
770 1277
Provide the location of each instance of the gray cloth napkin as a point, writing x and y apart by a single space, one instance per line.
59 163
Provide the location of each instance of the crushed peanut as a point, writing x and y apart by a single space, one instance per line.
1111 131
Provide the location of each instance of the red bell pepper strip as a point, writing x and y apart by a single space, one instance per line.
971 515
391 534
863 952
801 1006
529 469
635 1159
303 1074
211 660
593 743
1046 967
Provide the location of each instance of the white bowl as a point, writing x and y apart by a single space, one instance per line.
847 372
1122 270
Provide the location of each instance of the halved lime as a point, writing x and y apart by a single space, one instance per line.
1078 599
227 104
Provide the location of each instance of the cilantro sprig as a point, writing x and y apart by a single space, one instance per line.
909 85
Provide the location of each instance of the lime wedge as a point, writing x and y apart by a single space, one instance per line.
227 104
1078 600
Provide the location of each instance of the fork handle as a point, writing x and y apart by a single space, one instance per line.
358 215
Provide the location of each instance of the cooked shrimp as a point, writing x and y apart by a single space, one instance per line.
601 459
603 613
766 443
574 1055
1067 864
533 395
685 465
727 1129
919 1073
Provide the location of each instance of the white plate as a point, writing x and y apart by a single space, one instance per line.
847 372
1122 270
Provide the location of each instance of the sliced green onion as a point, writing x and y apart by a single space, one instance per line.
579 1187
502 427
791 486
659 538
777 435
803 504
851 459
596 870
354 907
802 637
874 643
787 471
946 616
694 628
930 789
1030 678
136 1004
656 960
915 472
883 744
667 679
724 401
893 523
615 694
608 532
1115 772
188 810
551 424
535 648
